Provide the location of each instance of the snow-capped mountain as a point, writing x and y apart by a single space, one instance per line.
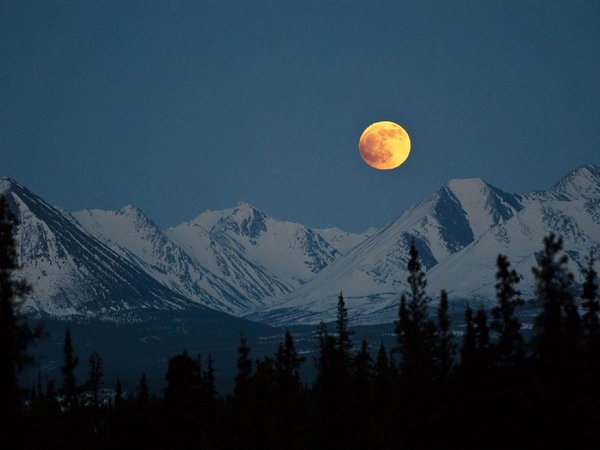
458 231
262 257
134 236
243 262
72 273
570 209
581 183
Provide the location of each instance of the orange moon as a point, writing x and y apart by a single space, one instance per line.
384 145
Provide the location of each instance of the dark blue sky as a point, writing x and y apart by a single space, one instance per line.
182 106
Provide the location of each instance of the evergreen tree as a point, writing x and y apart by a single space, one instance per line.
591 306
69 390
382 371
51 395
468 350
183 400
362 373
244 366
118 400
209 382
325 363
184 381
143 395
482 341
344 341
331 386
94 378
287 364
15 334
509 348
557 326
444 337
414 330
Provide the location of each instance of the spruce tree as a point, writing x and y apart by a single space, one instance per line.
414 330
69 390
184 380
183 399
143 395
557 327
209 381
362 374
383 377
468 350
482 341
343 348
325 363
330 388
244 366
509 348
591 307
444 337
287 364
94 378
344 341
381 369
15 334
118 399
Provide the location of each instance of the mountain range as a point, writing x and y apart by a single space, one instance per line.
240 261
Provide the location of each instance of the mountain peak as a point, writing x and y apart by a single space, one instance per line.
7 184
245 206
246 220
131 210
581 182
462 185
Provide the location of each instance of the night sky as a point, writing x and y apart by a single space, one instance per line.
179 107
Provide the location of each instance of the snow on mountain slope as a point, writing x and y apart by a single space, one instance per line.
343 241
458 231
263 257
581 183
73 273
131 234
241 261
470 273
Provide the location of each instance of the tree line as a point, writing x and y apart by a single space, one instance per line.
484 385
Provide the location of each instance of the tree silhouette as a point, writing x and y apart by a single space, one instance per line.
444 347
509 348
468 351
15 334
94 378
244 366
287 365
557 326
332 384
69 390
591 307
143 396
414 330
118 399
183 382
344 340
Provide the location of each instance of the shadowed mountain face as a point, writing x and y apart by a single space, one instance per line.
243 262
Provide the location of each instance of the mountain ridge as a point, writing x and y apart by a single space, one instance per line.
243 262
455 230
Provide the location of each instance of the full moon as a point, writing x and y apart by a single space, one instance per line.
384 145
